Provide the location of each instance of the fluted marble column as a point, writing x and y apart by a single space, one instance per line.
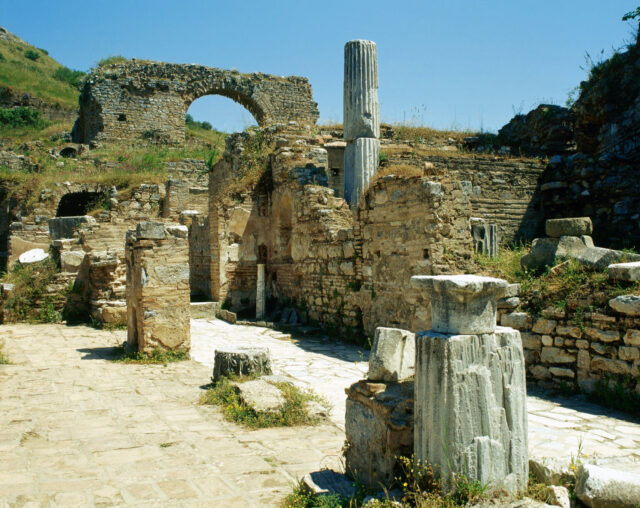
361 117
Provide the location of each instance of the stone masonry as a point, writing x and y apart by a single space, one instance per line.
157 259
150 99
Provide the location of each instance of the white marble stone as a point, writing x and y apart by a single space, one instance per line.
461 304
32 256
392 357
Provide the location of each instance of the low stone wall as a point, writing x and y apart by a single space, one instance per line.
576 347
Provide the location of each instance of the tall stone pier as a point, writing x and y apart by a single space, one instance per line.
361 117
158 314
470 393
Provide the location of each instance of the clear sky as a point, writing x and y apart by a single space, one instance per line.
443 63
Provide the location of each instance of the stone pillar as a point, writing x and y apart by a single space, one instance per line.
361 117
470 391
158 314
261 293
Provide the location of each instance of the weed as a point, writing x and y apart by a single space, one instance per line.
302 498
4 359
155 356
617 392
293 412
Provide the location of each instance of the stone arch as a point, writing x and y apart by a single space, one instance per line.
142 99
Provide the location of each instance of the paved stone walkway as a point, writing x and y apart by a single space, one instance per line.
79 430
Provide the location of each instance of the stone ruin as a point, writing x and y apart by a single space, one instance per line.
465 413
142 99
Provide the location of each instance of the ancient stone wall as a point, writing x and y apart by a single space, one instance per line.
505 192
575 346
340 268
409 226
151 99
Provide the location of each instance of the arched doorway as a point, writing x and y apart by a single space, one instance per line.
218 113
74 204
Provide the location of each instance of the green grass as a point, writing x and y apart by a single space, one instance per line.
293 412
561 287
154 357
21 72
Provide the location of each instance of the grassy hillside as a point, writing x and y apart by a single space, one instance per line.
28 69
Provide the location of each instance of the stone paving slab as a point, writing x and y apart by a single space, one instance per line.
79 430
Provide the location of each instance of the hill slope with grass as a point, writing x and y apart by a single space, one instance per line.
25 69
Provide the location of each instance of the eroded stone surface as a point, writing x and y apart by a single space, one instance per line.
470 406
241 361
624 271
573 226
260 395
626 304
598 487
462 304
392 355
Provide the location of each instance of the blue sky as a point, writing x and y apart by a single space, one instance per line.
456 63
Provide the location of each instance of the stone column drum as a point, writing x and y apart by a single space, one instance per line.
261 293
470 391
361 117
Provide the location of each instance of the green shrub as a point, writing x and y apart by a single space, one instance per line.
28 301
32 55
43 51
21 117
2 58
66 75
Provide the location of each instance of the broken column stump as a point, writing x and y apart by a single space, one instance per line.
242 361
158 294
470 391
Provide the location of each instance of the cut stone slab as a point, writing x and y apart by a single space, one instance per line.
329 482
461 304
241 362
32 256
71 261
544 251
552 471
624 271
598 487
150 230
626 304
574 226
67 227
600 258
471 407
263 397
392 355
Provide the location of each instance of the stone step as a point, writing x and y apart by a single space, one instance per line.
203 310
